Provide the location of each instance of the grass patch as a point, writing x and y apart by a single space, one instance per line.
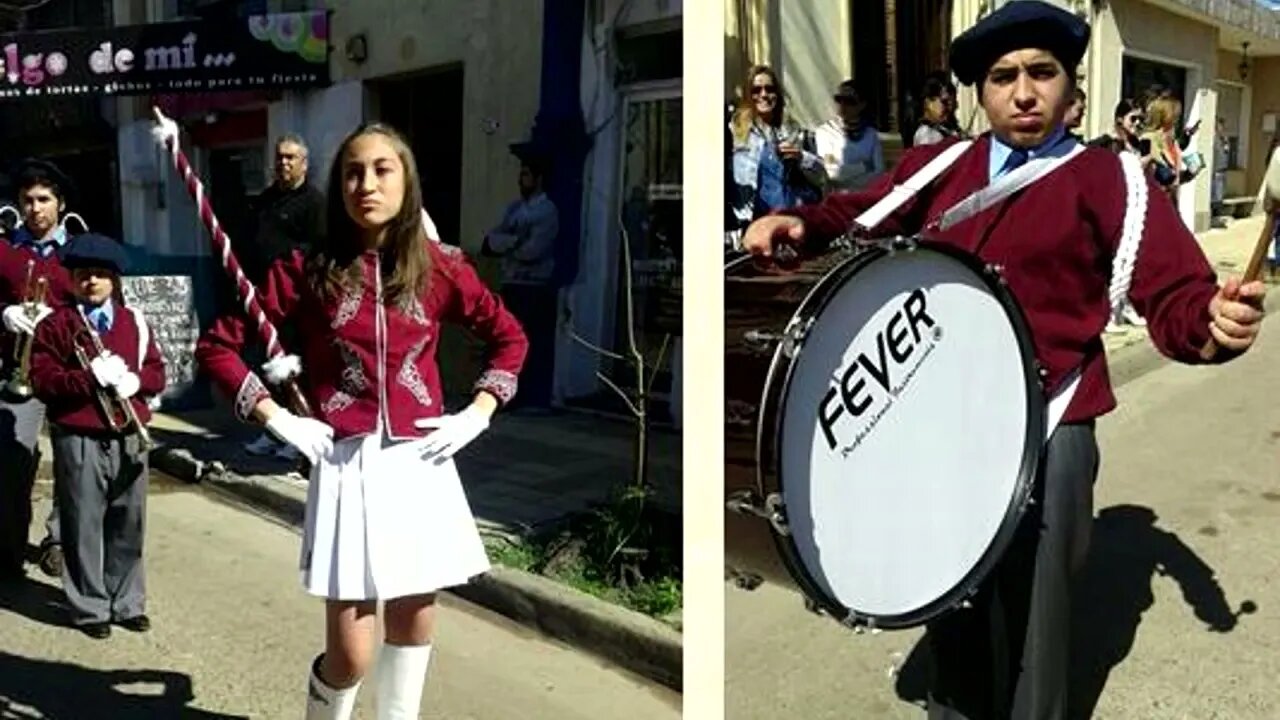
623 551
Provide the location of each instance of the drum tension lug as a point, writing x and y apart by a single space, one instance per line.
860 625
747 502
996 271
793 337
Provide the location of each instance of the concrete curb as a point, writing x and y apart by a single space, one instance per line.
623 637
630 639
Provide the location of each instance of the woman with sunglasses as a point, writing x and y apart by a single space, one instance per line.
773 159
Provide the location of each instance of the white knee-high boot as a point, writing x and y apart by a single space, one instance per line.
325 702
402 671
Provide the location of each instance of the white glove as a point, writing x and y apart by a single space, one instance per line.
127 384
309 436
16 320
108 368
452 432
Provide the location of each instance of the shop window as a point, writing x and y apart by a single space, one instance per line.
650 210
648 56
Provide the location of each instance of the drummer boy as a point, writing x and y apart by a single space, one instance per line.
1056 240
100 472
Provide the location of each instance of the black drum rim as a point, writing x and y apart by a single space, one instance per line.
770 476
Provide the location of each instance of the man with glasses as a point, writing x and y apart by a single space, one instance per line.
848 145
288 214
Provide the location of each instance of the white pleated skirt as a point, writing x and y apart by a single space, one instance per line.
382 523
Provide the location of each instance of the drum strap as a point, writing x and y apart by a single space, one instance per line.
1003 187
1059 402
1135 218
900 194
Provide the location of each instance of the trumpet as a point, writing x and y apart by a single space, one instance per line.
19 385
118 411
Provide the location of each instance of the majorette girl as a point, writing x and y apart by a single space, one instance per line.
386 516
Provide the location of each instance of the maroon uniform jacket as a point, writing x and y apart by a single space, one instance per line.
67 388
13 278
1055 240
363 360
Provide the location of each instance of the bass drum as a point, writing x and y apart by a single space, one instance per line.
884 426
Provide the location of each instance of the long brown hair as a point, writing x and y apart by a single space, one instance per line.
745 114
333 265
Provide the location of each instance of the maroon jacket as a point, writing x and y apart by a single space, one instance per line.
361 359
68 388
1055 239
13 278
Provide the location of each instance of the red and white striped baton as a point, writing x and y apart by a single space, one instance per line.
166 134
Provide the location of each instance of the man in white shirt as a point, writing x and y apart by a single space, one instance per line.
848 145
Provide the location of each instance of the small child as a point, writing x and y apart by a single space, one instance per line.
100 473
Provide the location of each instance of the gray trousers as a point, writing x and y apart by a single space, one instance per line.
102 497
20 425
1008 655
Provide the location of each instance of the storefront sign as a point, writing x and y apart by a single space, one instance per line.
283 50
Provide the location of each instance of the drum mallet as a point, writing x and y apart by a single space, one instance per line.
1252 272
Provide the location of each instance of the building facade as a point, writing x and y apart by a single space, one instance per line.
460 79
632 193
466 82
1220 56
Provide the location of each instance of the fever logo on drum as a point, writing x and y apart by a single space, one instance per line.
867 387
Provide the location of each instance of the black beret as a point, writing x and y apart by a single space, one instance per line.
1019 25
95 251
45 170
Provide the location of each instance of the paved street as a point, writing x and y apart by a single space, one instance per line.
234 633
1188 503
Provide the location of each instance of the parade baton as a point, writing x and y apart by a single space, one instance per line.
1252 272
166 134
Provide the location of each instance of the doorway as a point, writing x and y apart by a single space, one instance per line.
650 208
237 173
1139 75
427 109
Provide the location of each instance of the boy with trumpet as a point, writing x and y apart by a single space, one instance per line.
93 364
31 253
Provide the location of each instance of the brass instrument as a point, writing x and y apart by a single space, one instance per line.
19 386
118 411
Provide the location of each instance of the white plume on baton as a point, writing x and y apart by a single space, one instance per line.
281 366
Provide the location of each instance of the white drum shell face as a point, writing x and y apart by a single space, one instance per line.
903 433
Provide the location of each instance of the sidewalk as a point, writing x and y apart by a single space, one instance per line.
524 472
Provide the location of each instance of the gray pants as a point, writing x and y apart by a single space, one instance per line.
1007 656
102 496
20 425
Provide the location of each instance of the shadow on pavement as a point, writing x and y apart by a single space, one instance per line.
35 600
62 691
1128 549
1114 589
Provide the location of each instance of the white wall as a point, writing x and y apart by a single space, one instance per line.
592 300
588 300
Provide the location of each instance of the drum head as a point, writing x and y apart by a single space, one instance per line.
907 428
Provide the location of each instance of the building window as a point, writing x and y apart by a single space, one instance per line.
647 56
650 206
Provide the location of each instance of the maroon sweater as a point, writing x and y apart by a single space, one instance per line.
1055 240
68 388
13 278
